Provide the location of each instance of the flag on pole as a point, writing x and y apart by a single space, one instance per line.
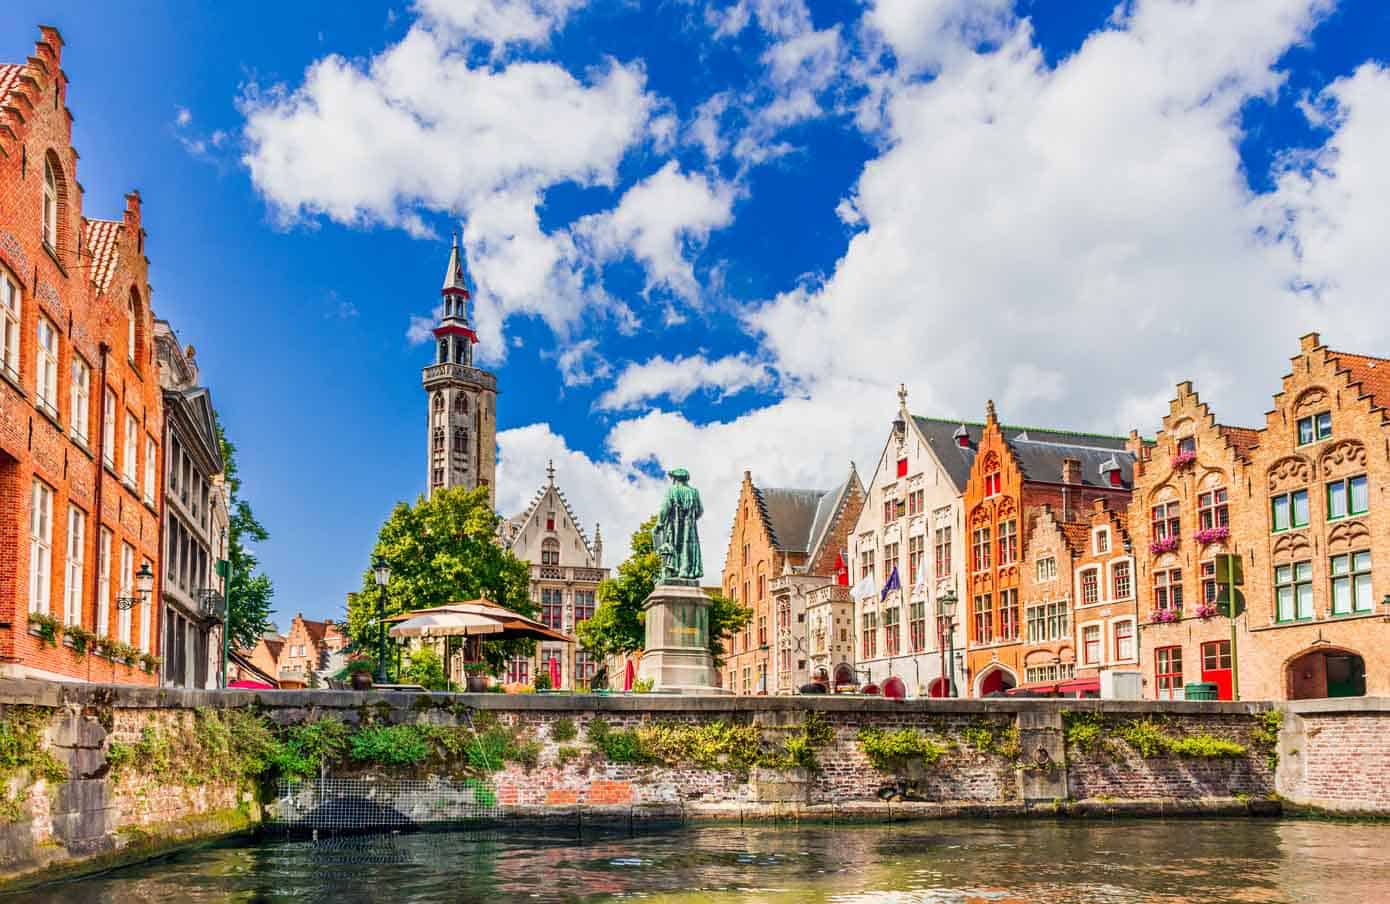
921 577
890 585
863 588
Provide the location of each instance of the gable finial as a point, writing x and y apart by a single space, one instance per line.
550 471
902 396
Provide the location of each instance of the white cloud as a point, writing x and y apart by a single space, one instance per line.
580 363
924 34
182 117
500 22
678 377
421 329
659 221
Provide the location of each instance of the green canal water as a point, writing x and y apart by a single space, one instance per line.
1003 862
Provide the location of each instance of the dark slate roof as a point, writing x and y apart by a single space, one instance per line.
1039 451
825 511
790 515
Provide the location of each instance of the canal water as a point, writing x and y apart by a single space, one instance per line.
971 862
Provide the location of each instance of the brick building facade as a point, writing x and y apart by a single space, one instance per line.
1016 471
1187 502
81 421
778 531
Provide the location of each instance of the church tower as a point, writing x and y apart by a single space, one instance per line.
461 398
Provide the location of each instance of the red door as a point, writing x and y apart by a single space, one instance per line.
1216 667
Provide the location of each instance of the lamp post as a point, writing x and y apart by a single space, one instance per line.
144 585
383 574
947 603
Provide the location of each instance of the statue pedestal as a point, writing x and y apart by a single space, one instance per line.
676 653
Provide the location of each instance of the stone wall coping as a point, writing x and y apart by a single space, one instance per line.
1334 705
20 691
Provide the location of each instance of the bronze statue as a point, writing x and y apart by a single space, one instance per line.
675 536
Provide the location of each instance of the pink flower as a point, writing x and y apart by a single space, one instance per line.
1165 615
1162 545
1183 459
1206 611
1211 534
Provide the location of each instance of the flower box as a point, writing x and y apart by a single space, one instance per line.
1161 616
1183 459
1167 544
1211 534
1204 612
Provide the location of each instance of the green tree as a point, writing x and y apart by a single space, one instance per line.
248 593
617 624
442 550
426 669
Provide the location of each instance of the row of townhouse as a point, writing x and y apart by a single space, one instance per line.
984 557
109 462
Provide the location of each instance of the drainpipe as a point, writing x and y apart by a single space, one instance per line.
103 350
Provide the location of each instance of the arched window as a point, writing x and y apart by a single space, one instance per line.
550 551
439 439
132 316
439 409
460 404
460 439
50 203
9 324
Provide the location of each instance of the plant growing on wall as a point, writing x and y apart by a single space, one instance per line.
897 750
46 627
80 638
21 750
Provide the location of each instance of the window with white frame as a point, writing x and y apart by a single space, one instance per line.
127 591
40 547
72 579
79 399
1090 644
9 325
104 583
149 469
46 367
130 317
1293 591
1101 540
108 427
1121 582
50 205
1008 542
132 442
1124 639
1351 583
1047 568
1090 586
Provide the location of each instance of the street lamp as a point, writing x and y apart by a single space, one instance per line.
947 603
144 585
383 574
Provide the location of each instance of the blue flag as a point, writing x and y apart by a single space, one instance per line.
890 585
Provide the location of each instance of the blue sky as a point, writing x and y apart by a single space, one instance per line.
720 235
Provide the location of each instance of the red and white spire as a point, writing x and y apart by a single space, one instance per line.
454 321
455 284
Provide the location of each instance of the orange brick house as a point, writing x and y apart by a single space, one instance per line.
777 530
307 650
1187 502
1316 537
1016 471
1106 613
80 405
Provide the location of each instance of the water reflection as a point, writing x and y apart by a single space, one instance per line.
1174 862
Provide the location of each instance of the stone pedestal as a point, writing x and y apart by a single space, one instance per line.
676 653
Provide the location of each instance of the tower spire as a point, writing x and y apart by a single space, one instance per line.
454 281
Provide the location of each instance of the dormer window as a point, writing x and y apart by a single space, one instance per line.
962 437
1101 540
992 484
550 521
1315 427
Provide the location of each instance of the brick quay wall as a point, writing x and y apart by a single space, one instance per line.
107 774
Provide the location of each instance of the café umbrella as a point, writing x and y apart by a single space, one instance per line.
474 621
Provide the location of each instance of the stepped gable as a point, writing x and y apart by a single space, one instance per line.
828 509
103 244
1373 375
21 82
1242 440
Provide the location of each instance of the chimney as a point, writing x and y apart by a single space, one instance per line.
1071 476
1308 342
1071 470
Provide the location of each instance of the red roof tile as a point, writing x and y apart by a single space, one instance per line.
1242 439
103 245
1372 373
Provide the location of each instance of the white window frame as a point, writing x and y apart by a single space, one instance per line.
1047 568
50 205
127 591
80 401
108 427
46 365
1099 628
41 548
1133 640
76 562
150 457
130 315
1081 586
104 582
132 446
11 323
1100 540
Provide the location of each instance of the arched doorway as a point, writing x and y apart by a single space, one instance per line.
939 688
1325 673
844 674
996 680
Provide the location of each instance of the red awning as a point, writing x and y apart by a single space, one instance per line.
1080 685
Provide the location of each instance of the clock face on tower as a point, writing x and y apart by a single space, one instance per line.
461 398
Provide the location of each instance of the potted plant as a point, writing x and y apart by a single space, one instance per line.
149 663
360 674
477 676
542 682
79 638
46 627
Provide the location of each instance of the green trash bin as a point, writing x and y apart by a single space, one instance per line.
1201 690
